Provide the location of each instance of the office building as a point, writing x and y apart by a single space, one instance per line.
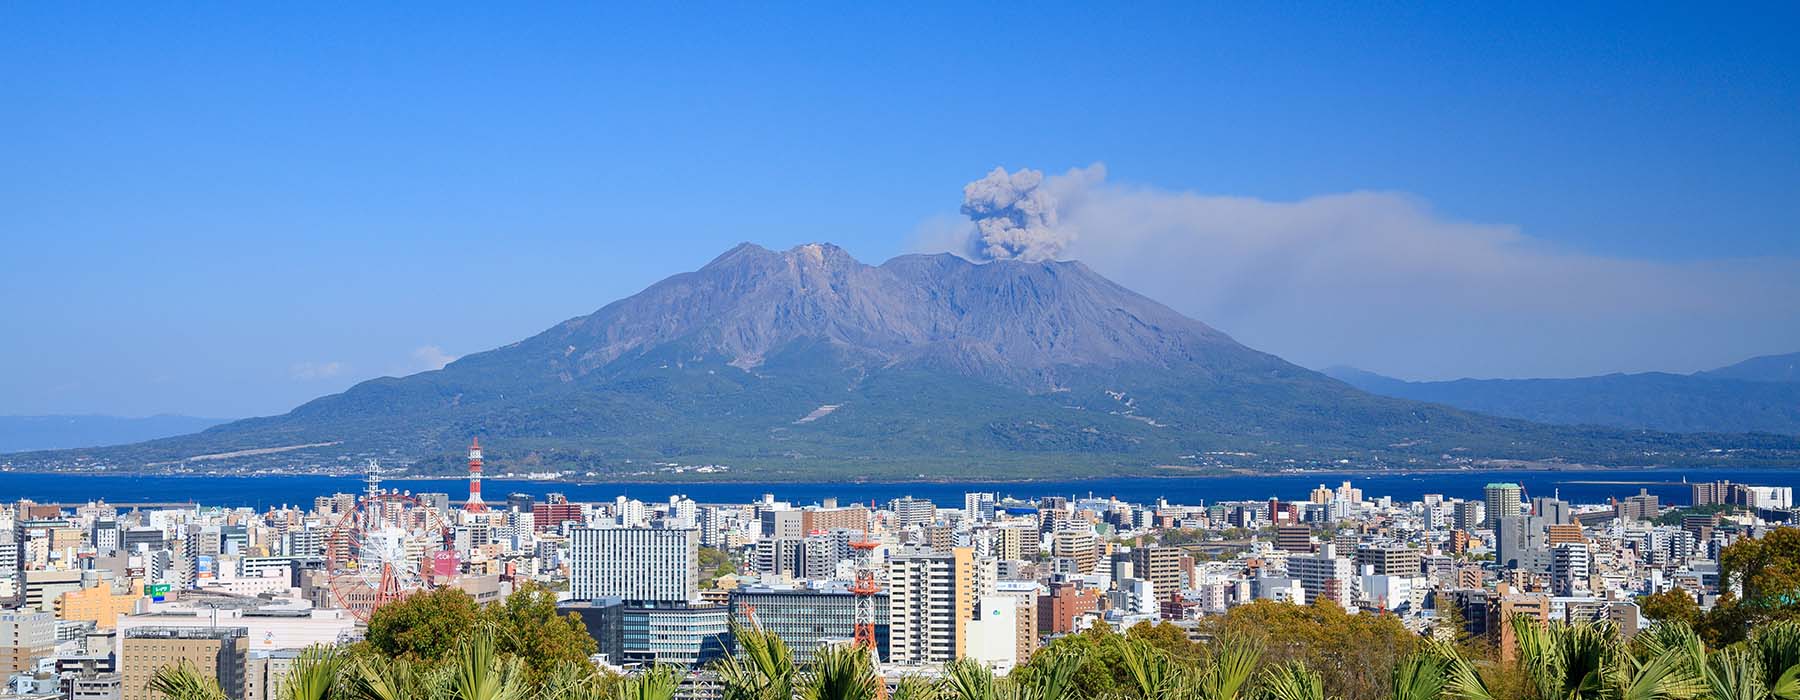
1294 538
25 637
614 562
912 511
806 619
1643 506
219 653
675 633
1387 560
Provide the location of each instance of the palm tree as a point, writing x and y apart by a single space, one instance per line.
1228 673
763 668
841 673
1591 661
478 673
185 682
315 674
572 680
1157 676
916 688
1292 681
655 683
1421 676
1777 648
374 677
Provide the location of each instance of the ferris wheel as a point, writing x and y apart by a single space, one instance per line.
380 551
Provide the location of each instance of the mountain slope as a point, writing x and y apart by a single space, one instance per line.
1702 402
808 364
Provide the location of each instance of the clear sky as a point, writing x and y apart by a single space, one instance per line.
225 210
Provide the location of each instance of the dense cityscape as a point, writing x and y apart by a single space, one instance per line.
101 596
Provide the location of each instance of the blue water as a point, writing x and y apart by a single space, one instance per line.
268 491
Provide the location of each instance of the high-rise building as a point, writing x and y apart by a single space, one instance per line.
25 637
1387 560
1503 500
912 511
553 512
1161 566
1065 603
1712 493
674 633
1466 515
1079 546
1569 568
634 564
1643 506
1294 538
1323 575
1554 511
979 506
931 598
219 653
784 524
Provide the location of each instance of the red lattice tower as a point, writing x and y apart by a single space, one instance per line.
865 589
475 504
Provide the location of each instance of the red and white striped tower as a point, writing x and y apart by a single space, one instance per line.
475 505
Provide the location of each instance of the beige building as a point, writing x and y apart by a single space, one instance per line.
219 653
265 671
1078 545
931 599
1161 566
25 637
99 604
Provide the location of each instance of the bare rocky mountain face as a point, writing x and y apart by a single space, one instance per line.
808 364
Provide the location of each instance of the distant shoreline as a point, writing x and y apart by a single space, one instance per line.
779 479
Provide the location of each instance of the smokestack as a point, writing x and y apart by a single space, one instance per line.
475 505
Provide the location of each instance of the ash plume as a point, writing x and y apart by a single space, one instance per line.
1015 217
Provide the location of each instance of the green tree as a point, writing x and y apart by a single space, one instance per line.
1673 605
1766 570
424 627
526 626
1353 654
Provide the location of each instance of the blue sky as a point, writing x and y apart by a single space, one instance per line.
225 210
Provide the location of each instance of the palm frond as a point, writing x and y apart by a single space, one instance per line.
1292 681
184 682
315 674
659 682
1419 677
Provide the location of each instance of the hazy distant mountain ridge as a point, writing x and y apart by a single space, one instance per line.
806 363
1757 395
22 433
1768 368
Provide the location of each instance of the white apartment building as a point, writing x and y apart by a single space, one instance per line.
635 564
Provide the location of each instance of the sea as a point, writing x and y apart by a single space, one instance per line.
275 490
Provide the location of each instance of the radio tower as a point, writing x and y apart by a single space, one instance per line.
475 505
865 589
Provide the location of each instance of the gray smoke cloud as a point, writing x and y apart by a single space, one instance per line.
1015 217
1382 281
